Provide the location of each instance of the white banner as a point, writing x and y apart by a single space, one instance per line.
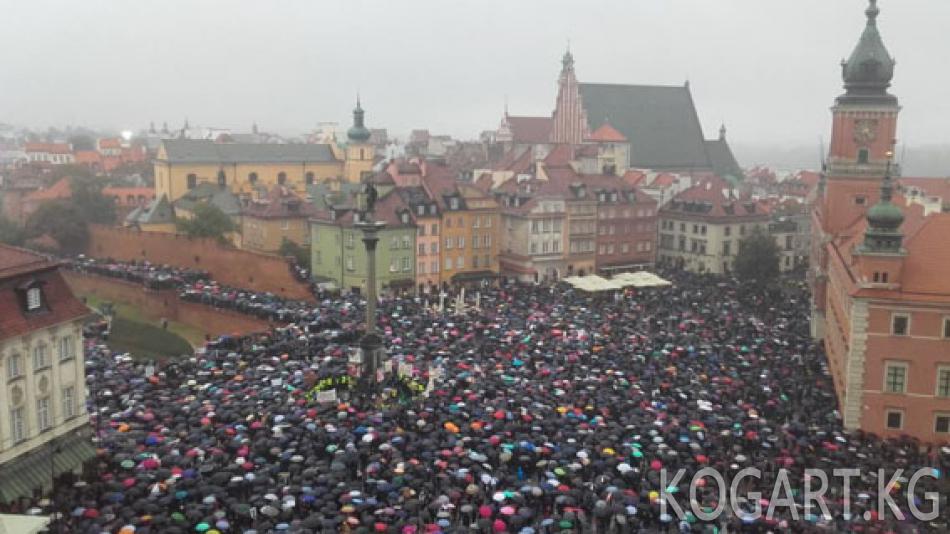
326 396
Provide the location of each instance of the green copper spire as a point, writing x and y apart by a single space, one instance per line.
868 72
884 220
358 132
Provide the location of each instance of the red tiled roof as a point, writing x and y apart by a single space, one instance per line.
110 142
607 134
61 189
931 187
52 148
279 203
531 130
18 266
664 180
87 157
635 177
718 199
562 155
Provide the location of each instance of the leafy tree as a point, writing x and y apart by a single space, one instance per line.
82 142
63 221
300 253
70 169
757 260
88 198
10 233
207 221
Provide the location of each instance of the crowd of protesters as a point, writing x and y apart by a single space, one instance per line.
545 410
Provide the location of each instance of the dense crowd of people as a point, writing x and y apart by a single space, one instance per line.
545 411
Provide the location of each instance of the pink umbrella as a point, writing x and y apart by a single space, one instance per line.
507 510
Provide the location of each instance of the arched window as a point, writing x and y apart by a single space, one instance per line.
281 178
309 178
192 181
252 178
863 156
222 179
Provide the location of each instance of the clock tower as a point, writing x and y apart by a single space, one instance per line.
863 134
864 131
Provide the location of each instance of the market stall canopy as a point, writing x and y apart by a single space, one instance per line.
592 283
640 279
22 524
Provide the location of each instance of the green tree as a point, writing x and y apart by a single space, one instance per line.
300 253
88 198
207 221
82 142
757 260
71 170
10 233
63 221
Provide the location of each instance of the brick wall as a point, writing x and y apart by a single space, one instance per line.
156 305
233 267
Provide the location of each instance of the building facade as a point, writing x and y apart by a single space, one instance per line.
43 420
701 227
273 217
880 266
338 253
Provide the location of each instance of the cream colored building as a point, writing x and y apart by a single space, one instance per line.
701 227
43 420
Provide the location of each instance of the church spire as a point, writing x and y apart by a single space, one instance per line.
868 72
358 132
884 219
722 132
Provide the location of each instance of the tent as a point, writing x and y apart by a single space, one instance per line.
640 279
592 283
22 524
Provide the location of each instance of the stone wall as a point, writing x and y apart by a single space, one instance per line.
156 305
230 266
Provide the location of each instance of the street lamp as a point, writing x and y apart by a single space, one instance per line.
371 344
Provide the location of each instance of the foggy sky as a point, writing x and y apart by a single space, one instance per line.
769 69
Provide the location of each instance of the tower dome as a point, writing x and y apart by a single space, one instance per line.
870 69
358 133
884 220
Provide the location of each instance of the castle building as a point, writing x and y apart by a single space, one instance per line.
880 266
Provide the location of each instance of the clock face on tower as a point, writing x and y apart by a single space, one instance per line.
865 131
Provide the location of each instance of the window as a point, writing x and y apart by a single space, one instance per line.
741 229
252 178
309 178
474 262
488 221
555 246
454 203
682 227
476 221
895 419
895 378
535 227
647 246
449 242
65 348
393 265
349 240
17 425
34 299
421 267
281 178
900 324
222 179
434 247
946 327
406 265
863 156
460 262
942 424
14 366
860 200
534 248
435 229
422 249
727 231
69 402
434 267
544 247
625 248
349 263
726 248
192 181
486 242
461 241
448 264
40 357
43 422
943 382
405 242
422 230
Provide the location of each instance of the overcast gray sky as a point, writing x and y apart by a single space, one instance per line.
768 68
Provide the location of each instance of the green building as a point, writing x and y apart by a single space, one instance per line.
338 253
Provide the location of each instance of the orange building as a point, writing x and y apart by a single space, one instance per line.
880 268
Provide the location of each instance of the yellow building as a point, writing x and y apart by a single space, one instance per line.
271 218
182 164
